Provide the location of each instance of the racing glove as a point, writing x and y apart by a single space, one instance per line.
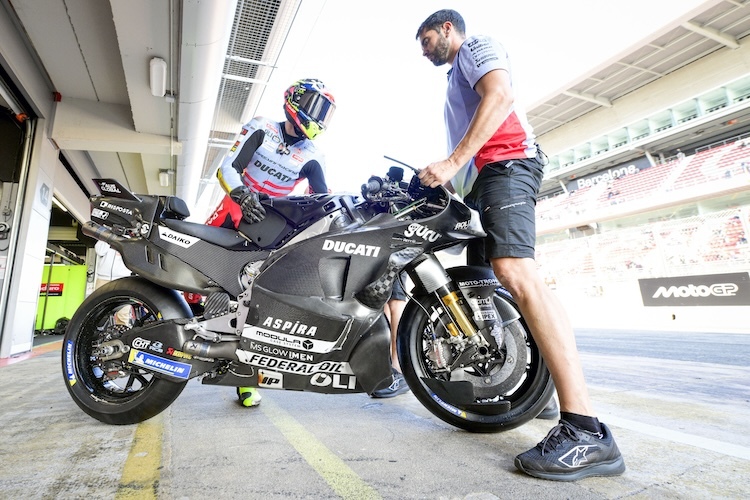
252 210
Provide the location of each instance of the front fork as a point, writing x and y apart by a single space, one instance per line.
431 275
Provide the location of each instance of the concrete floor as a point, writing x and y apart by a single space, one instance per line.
676 443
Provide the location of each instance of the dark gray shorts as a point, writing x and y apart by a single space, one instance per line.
398 292
505 194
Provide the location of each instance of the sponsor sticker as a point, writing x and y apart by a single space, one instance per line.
139 343
479 283
351 248
171 351
288 341
179 239
278 352
423 232
291 327
159 364
69 370
287 366
334 381
115 208
272 380
99 214
107 187
485 315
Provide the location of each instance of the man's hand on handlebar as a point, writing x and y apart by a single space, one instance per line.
438 173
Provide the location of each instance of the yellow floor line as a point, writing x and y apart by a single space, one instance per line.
140 476
344 481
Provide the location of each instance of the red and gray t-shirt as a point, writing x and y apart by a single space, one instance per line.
514 139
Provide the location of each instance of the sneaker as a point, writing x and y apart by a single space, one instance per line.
569 453
398 386
550 412
249 396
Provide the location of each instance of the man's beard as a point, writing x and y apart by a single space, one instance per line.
440 54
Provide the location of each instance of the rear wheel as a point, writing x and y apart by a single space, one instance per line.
509 386
104 384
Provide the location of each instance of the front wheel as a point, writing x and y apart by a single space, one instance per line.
508 386
104 385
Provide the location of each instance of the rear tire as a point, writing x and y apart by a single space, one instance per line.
526 387
114 391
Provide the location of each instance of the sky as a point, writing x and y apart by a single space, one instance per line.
390 98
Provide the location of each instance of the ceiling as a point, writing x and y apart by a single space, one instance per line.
220 55
96 55
720 26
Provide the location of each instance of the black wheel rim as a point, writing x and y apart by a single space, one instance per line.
515 388
115 380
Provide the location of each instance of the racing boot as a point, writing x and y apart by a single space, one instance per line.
249 396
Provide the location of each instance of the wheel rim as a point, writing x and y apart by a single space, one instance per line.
506 378
112 380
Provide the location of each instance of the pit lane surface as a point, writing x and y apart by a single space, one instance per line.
676 402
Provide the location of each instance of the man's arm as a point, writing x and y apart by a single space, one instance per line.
494 107
230 171
313 172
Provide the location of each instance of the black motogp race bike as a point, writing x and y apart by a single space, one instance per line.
296 302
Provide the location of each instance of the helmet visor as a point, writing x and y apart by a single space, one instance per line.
317 107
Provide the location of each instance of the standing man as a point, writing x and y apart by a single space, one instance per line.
268 159
495 164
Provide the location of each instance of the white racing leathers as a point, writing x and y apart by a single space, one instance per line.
276 166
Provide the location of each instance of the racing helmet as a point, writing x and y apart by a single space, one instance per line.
309 106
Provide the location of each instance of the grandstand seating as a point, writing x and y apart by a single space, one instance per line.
713 242
711 164
716 164
635 186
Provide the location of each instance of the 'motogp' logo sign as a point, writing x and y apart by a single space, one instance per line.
718 289
709 290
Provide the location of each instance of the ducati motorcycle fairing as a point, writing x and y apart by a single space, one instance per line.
296 302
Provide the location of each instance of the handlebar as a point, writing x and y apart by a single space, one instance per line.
391 193
374 185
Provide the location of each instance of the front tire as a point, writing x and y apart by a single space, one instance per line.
112 390
527 386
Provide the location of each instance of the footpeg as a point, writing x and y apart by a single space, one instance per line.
217 304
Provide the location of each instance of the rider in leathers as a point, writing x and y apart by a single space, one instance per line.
269 159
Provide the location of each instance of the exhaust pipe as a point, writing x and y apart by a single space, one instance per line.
222 350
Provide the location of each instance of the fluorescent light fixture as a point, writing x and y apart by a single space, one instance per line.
158 76
59 205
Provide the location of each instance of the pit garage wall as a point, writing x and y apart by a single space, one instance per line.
45 177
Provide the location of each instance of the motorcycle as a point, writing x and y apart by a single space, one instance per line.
296 302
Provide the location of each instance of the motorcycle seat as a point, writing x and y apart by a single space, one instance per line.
175 208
